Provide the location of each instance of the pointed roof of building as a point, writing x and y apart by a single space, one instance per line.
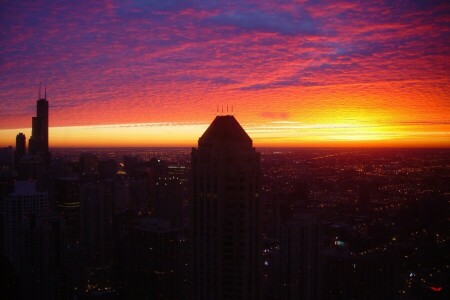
225 129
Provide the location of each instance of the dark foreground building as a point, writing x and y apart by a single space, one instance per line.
226 222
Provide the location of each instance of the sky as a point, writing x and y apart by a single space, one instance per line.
294 73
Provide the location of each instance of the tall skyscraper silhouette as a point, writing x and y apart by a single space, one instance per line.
38 143
25 200
96 235
153 268
226 222
21 147
299 258
44 256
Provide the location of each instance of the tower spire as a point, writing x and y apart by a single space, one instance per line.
40 84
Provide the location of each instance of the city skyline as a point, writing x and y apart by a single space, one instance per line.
223 220
297 73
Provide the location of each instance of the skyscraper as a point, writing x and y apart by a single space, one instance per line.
96 235
300 247
44 256
38 143
168 200
153 268
226 222
20 148
67 200
18 205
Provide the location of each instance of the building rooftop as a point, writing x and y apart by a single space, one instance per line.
227 129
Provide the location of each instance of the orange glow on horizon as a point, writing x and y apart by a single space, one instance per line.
338 115
275 134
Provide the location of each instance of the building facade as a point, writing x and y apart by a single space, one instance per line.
226 220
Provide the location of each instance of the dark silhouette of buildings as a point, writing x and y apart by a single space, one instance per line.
130 164
347 275
154 261
226 222
300 240
6 162
38 143
67 200
107 169
31 167
18 205
35 243
88 165
21 148
168 202
119 229
45 257
96 235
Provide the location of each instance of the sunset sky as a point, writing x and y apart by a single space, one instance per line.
297 73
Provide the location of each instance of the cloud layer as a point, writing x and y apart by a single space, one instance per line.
317 62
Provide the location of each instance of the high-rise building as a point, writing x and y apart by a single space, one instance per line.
88 163
21 147
6 162
138 195
96 235
299 273
18 205
130 164
107 169
67 200
168 200
154 258
31 167
38 143
45 257
226 221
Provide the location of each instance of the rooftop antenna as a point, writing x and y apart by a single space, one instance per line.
217 111
222 109
40 84
231 109
45 91
227 109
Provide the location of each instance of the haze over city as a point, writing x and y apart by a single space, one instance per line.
297 73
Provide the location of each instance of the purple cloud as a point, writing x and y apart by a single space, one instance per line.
258 20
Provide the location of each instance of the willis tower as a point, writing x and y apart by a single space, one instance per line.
38 144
